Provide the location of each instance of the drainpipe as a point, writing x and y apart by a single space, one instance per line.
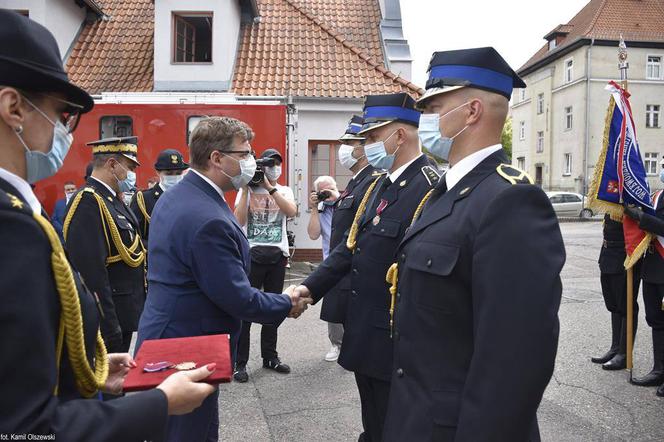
586 147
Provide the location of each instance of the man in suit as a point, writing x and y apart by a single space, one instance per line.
351 156
613 279
477 282
384 214
170 166
103 240
652 274
199 260
58 217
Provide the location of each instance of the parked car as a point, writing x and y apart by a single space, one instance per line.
570 204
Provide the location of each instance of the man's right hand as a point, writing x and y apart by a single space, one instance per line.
313 201
300 301
184 392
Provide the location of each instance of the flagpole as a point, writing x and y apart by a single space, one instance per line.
623 65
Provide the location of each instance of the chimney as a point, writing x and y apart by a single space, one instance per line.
395 45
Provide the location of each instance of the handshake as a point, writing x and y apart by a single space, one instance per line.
300 299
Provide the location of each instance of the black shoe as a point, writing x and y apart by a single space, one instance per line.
660 391
276 365
240 374
618 362
656 375
606 358
652 379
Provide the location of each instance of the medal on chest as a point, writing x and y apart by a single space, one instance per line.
379 210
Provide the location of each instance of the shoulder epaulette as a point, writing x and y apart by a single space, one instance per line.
431 175
513 174
379 172
12 202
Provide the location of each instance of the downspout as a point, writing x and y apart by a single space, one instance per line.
586 147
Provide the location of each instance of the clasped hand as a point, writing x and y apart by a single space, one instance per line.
300 300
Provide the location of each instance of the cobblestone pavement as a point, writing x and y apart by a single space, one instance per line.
318 401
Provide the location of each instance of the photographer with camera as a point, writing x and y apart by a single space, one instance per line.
262 209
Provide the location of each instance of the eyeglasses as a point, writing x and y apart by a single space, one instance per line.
243 153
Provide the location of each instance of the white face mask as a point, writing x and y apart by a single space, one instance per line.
346 156
168 181
127 197
273 173
247 171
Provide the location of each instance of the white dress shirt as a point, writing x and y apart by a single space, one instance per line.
360 171
110 189
394 176
466 165
211 183
23 188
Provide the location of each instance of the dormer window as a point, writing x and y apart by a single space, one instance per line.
552 44
192 37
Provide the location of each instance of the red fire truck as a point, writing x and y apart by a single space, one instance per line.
161 122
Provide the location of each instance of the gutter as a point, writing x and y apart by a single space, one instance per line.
586 146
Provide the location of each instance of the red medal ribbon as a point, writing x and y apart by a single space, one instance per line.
383 204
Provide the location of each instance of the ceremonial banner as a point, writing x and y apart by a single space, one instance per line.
620 177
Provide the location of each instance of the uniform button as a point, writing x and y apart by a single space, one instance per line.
396 334
357 250
398 296
354 293
382 230
355 272
429 263
403 256
400 372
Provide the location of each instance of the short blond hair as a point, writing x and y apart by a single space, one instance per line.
216 133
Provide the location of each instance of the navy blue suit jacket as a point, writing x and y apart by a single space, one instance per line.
199 262
58 217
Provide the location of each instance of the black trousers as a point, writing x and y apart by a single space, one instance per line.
374 394
269 278
614 291
652 299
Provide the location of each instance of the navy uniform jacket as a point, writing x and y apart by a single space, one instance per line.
476 323
335 302
367 347
199 262
652 269
29 320
120 288
59 216
143 213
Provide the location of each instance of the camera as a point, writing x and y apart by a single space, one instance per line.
323 195
259 176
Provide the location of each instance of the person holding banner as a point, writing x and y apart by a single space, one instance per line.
652 274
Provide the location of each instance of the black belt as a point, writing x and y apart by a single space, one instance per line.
612 244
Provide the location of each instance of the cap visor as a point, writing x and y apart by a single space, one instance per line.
131 158
433 92
375 126
351 137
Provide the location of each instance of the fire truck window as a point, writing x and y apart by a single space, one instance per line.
192 122
116 126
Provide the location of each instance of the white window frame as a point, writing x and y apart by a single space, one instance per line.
540 142
568 71
521 163
569 118
650 65
567 159
650 163
553 44
540 104
522 130
650 116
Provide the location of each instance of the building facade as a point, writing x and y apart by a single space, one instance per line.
559 120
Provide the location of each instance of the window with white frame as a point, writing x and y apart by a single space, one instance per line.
654 67
540 141
192 37
569 70
569 118
540 104
650 163
552 44
652 115
567 170
521 163
522 130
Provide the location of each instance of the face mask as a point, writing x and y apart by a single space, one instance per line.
661 175
41 165
129 183
377 154
431 137
127 197
168 181
247 171
68 196
346 156
273 173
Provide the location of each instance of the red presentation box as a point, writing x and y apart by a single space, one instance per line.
201 350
